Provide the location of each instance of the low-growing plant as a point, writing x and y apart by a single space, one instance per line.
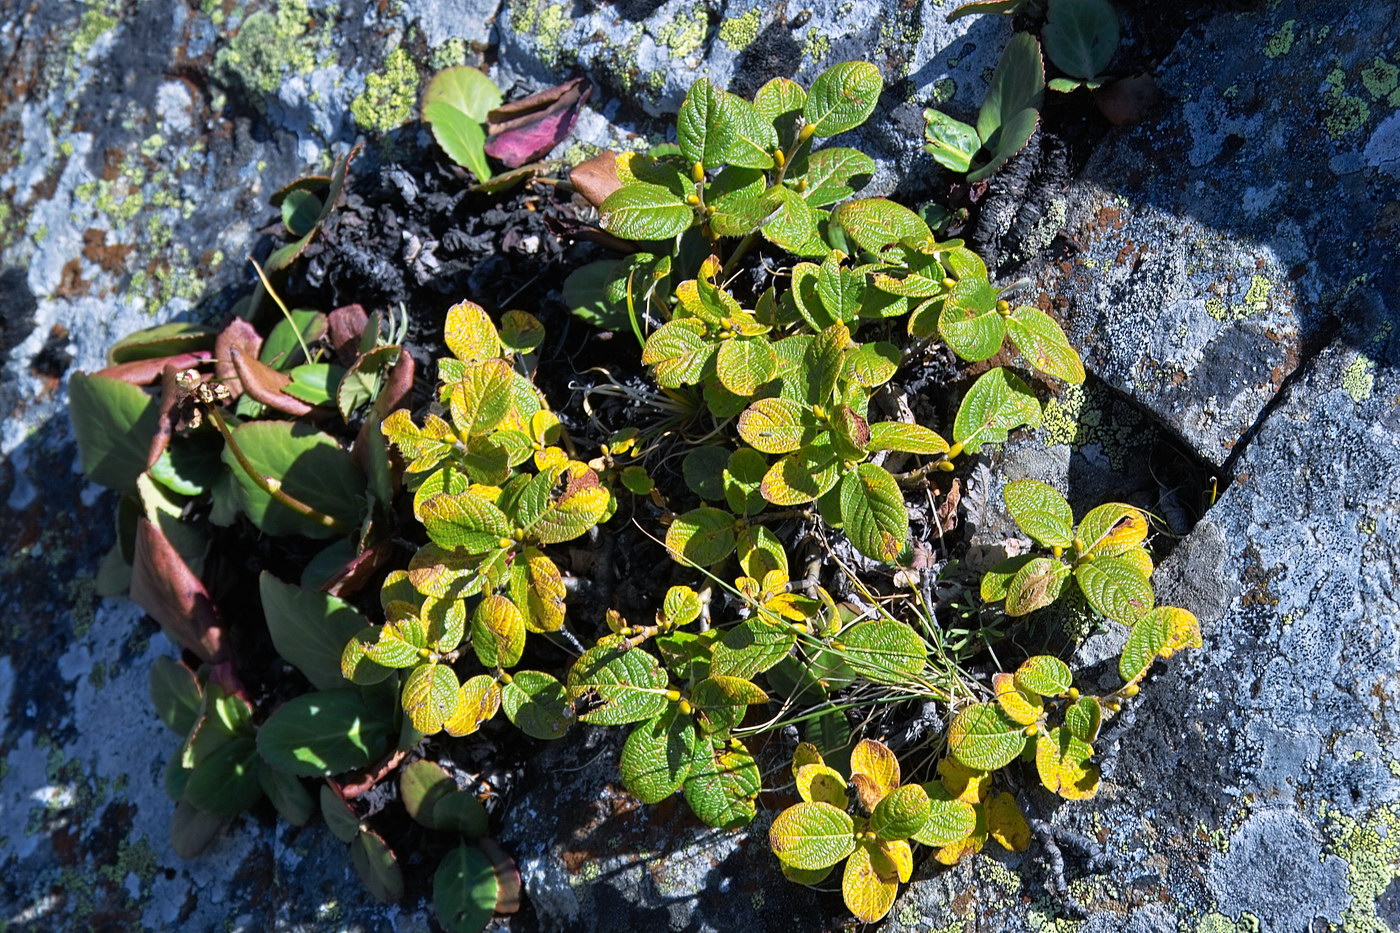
777 315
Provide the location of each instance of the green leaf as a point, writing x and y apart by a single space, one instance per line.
361 383
1081 36
802 476
587 294
969 323
1041 512
703 536
282 349
225 783
430 696
1043 343
628 685
743 480
465 89
982 736
583 504
645 212
175 694
465 890
745 363
1010 139
760 551
780 97
114 422
998 402
884 651
481 398
872 364
678 353
1160 633
498 633
377 867
722 785
301 210
750 138
703 469
986 6
908 438
724 699
740 214
773 425
171 339
949 820
1116 588
287 794
835 174
716 128
310 466
309 629
811 836
465 521
656 758
793 224
873 512
839 289
323 734
901 813
536 703
340 819
842 98
1083 719
751 647
952 143
422 785
876 223
1044 675
1037 584
1018 84
470 335
681 606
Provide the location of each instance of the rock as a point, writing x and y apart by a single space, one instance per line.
1214 247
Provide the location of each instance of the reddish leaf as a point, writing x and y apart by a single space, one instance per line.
507 875
1128 100
238 335
164 585
352 577
596 178
265 384
345 326
523 130
170 396
145 372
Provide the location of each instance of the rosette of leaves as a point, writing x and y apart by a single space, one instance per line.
492 491
1008 117
870 821
740 169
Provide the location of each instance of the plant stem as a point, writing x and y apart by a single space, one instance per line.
913 476
262 276
748 241
269 485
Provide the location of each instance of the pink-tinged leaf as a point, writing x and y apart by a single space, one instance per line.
345 325
145 372
265 385
164 585
524 130
238 335
507 875
351 578
596 178
170 395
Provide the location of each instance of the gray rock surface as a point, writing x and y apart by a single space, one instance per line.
1240 241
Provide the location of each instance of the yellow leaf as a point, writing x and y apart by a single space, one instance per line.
1062 762
1020 706
964 783
1006 824
955 852
477 701
1140 560
817 783
881 769
867 894
805 754
550 458
469 333
1185 631
901 856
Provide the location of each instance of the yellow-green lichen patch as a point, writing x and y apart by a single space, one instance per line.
387 101
943 90
1281 42
1380 78
1255 302
1219 923
450 53
94 24
1043 917
1371 851
1082 416
818 46
686 33
1359 379
738 32
267 47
